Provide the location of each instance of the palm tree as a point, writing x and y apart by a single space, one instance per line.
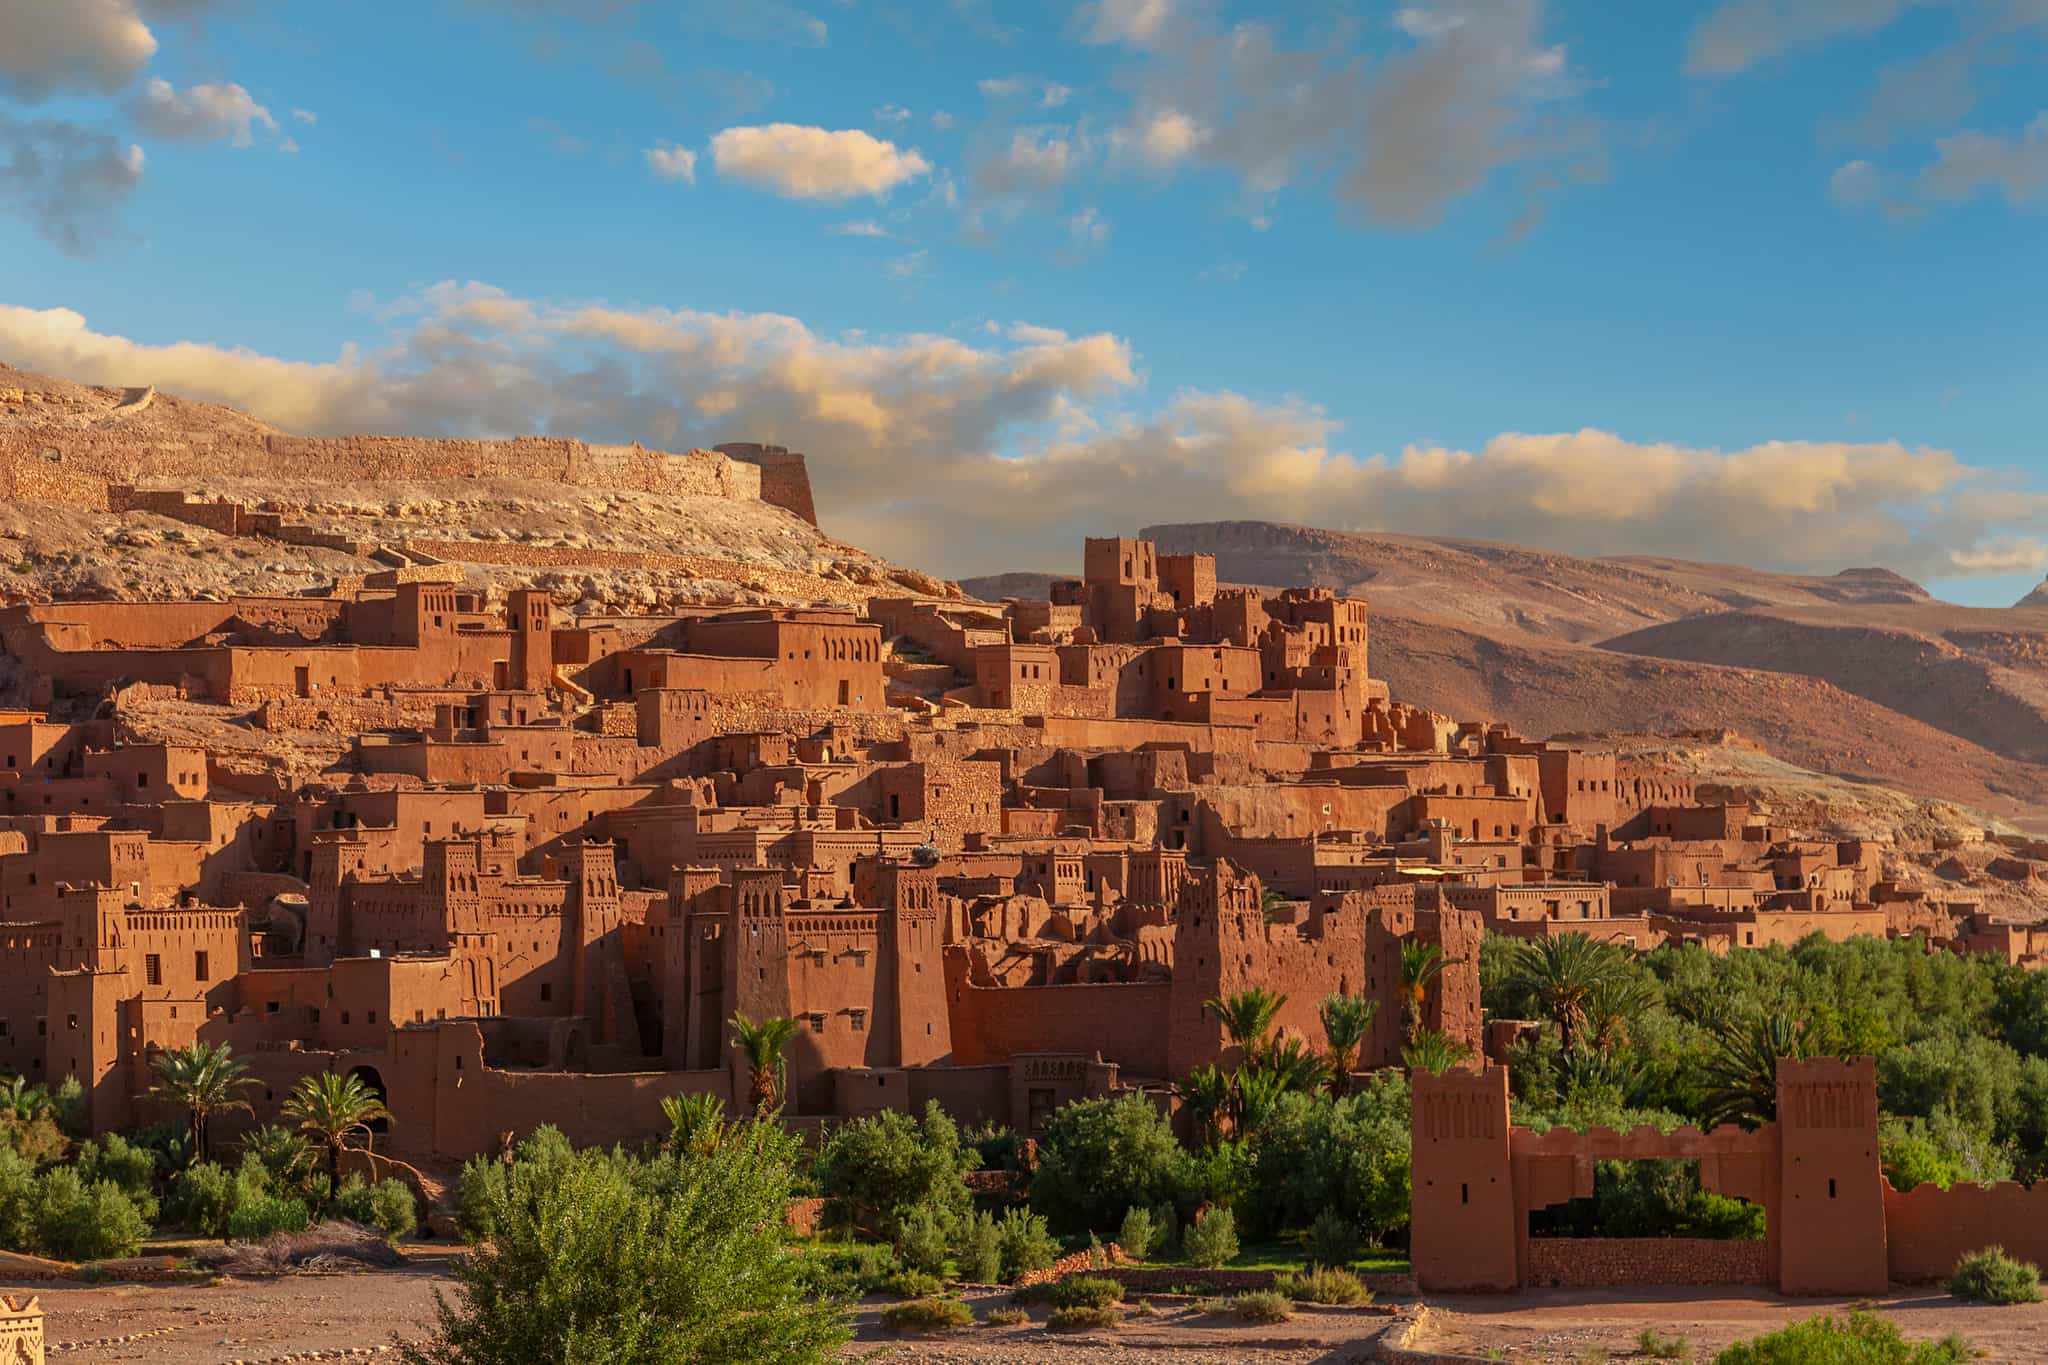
1271 903
24 1102
696 1123
332 1108
1742 1072
1247 1016
1614 1005
1421 964
763 1044
1292 1061
1257 1092
1207 1095
1561 974
1345 1021
284 1153
204 1078
1435 1052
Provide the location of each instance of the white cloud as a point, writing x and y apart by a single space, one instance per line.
892 113
1054 95
967 457
69 182
50 47
204 113
1001 87
801 162
866 227
671 162
305 116
1088 228
1033 161
1742 33
1137 22
942 120
1970 161
1163 138
908 266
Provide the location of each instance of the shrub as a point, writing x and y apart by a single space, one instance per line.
1026 1243
17 1201
1323 1285
1859 1339
981 1248
386 1206
913 1284
843 1272
200 1199
999 1148
131 1167
486 1181
82 1222
926 1315
1165 1231
1005 1317
1082 1319
255 1219
1650 1342
1345 1157
878 1170
922 1239
1262 1305
1212 1240
1040 1292
1136 1233
630 1260
1097 1158
1086 1291
1331 1240
1991 1276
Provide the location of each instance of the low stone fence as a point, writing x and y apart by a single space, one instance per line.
1595 1262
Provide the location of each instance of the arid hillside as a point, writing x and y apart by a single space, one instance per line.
1859 675
242 527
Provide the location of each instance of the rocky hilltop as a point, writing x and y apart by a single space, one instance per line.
1859 675
136 494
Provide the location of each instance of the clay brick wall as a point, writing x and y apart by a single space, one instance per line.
1604 1261
1928 1229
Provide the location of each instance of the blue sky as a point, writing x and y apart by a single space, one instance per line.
1762 280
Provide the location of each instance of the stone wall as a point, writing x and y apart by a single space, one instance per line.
1602 1261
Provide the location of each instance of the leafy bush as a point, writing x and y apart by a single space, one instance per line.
922 1239
1263 1306
1859 1339
926 1315
257 1218
1098 1158
999 1148
629 1260
1086 1291
1212 1239
1136 1234
1082 1319
1041 1292
909 1283
200 1199
1005 1317
17 1201
386 1206
81 1222
1991 1276
1323 1285
1347 1157
844 1272
876 1171
1331 1240
980 1249
1654 1344
1026 1243
131 1167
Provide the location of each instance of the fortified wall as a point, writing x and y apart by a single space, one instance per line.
75 467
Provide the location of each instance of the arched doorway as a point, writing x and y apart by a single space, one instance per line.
369 1077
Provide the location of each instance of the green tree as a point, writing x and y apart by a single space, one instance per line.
696 1122
1247 1016
1614 1007
602 1257
879 1170
1346 1156
1346 1018
1562 974
763 1045
1435 1052
1742 1070
331 1109
1421 964
204 1079
1098 1157
1206 1096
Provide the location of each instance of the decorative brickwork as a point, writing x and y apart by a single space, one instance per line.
1605 1261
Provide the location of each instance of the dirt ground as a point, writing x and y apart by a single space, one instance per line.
1574 1325
255 1321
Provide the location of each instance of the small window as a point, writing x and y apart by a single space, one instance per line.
371 1017
199 967
547 992
860 1021
153 969
817 1023
270 1007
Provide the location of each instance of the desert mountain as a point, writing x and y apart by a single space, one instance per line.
505 514
1859 675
